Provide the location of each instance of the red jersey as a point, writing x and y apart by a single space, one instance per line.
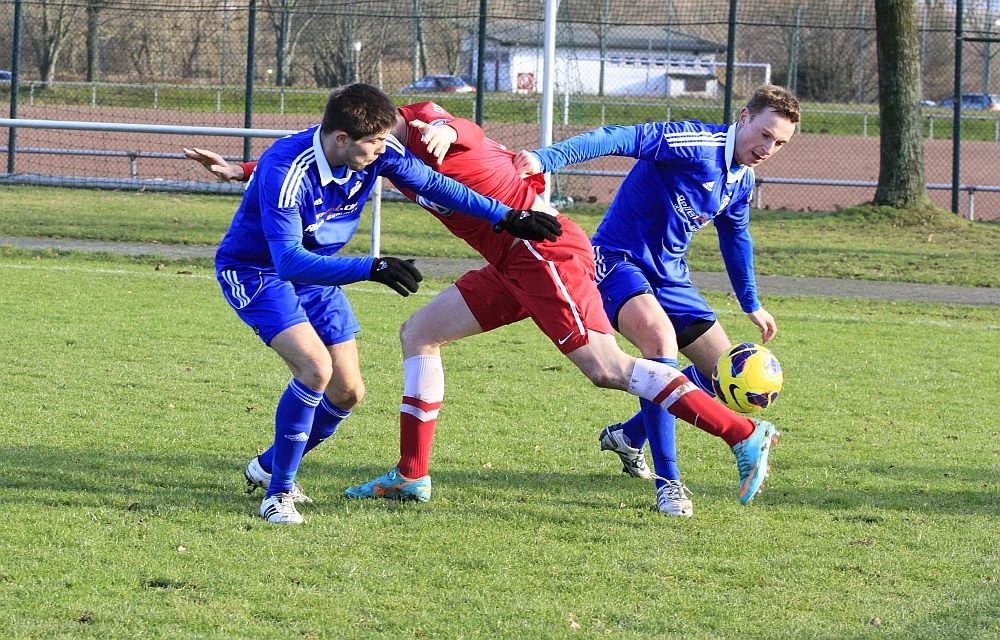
483 165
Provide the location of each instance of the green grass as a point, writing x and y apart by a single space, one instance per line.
863 243
131 398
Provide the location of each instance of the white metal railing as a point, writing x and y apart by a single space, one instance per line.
163 129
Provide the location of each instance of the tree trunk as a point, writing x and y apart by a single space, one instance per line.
94 40
901 180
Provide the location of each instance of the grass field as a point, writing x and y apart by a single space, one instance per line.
864 244
132 398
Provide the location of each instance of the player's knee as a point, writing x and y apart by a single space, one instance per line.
316 374
411 335
347 396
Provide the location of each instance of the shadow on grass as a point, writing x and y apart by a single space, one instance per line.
205 480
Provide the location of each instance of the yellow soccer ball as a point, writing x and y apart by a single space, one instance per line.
747 378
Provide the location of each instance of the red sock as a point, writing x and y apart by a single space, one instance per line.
702 410
416 436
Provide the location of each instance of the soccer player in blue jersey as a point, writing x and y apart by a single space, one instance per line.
687 175
278 267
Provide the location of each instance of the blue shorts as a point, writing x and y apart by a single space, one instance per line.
619 280
269 305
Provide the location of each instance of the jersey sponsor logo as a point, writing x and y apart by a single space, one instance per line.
313 228
682 207
436 208
328 215
709 185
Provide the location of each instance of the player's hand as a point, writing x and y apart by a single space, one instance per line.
526 163
529 225
216 164
764 320
438 138
396 274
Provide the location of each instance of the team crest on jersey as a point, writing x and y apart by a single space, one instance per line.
436 208
355 188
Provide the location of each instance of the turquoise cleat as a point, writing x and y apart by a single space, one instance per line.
393 486
751 458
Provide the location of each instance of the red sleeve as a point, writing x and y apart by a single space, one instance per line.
248 168
470 135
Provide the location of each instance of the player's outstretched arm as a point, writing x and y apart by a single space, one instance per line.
764 320
216 164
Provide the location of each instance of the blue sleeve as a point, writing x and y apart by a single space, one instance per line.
641 141
295 264
408 172
736 246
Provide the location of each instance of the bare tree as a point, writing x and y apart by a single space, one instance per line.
901 180
289 23
48 28
94 8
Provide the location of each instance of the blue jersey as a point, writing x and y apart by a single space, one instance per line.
294 196
684 178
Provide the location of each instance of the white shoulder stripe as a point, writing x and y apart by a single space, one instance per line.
391 141
697 143
683 135
293 179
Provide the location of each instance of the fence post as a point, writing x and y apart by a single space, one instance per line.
972 203
248 104
481 65
15 83
376 242
760 189
956 136
930 131
864 127
93 95
727 110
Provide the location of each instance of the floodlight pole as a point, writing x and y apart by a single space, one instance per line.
727 110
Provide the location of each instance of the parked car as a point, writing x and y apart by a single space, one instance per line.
432 84
989 101
928 103
4 76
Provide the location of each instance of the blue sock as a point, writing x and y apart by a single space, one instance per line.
328 418
660 429
695 375
635 430
292 424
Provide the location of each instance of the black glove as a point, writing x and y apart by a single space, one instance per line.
529 225
398 274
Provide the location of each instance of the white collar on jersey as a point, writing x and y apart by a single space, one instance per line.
325 172
733 174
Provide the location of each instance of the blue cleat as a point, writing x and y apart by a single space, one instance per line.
751 458
393 486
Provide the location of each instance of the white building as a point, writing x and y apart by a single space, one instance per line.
638 60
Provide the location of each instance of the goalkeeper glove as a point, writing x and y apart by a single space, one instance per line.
529 225
397 274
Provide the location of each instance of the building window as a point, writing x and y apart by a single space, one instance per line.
695 85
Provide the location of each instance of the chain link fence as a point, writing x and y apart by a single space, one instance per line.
617 62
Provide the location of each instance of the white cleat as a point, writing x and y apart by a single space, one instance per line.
672 499
633 460
258 478
280 509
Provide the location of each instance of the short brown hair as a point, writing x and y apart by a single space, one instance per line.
780 99
359 110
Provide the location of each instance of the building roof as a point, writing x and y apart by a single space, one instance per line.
584 36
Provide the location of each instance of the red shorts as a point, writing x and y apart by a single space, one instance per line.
550 282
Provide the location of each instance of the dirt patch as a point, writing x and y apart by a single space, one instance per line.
806 156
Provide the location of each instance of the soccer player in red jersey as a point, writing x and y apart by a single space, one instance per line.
550 282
